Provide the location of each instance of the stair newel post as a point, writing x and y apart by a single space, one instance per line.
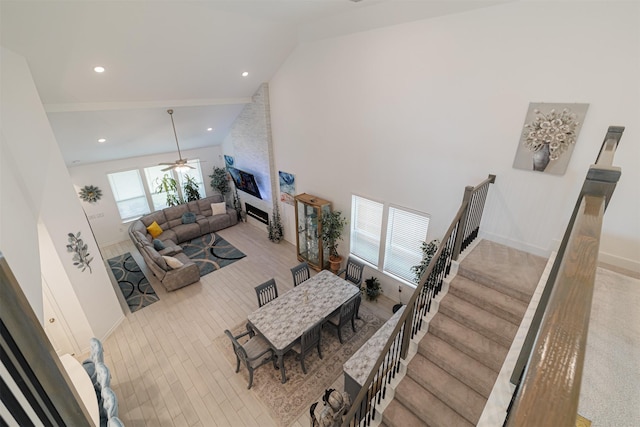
462 225
406 330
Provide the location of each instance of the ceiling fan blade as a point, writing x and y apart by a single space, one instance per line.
163 164
167 169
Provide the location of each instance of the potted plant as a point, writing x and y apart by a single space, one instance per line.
220 180
275 225
371 288
332 226
170 186
190 187
428 252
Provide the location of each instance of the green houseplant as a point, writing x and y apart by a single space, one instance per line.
428 252
170 186
190 189
220 180
371 288
332 226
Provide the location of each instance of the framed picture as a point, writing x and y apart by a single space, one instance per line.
287 187
549 135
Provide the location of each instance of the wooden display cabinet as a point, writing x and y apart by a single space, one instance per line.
309 212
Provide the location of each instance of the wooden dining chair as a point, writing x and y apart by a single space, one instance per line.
310 338
346 314
268 291
353 271
300 273
253 353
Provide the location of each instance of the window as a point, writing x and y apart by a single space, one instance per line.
402 236
129 193
154 175
366 228
406 230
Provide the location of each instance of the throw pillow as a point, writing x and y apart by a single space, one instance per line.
218 208
154 229
158 244
172 262
188 218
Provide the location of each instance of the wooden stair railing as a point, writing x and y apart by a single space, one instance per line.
552 357
462 231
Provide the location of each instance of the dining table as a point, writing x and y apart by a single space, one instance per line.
283 320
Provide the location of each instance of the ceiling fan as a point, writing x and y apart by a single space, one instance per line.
180 164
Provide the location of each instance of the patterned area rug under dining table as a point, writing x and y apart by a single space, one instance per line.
286 402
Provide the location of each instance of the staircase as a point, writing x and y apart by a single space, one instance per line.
450 378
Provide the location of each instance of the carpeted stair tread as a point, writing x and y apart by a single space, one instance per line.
459 365
502 305
397 415
470 342
491 264
479 320
426 406
455 394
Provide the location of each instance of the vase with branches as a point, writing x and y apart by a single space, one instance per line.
275 225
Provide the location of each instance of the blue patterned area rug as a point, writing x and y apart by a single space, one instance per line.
134 286
211 252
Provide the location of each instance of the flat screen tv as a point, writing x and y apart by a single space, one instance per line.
245 181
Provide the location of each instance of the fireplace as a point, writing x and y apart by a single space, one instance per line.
256 213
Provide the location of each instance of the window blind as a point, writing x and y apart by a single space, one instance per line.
406 230
129 193
366 228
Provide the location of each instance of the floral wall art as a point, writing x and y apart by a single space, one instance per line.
549 134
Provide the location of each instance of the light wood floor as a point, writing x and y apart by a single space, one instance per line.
165 368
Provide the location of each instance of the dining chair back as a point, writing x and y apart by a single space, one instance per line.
96 351
310 338
109 403
346 314
253 353
300 273
353 271
115 422
266 292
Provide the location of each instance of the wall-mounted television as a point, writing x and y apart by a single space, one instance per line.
245 181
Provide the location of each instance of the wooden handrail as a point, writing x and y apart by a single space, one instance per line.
551 387
554 348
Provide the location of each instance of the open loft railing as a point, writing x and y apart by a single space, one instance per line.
462 231
551 360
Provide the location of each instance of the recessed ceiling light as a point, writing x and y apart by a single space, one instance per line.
98 69
101 140
209 129
245 74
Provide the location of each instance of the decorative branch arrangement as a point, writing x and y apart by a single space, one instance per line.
275 225
81 257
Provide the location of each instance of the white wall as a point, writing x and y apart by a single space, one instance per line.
410 114
103 215
36 187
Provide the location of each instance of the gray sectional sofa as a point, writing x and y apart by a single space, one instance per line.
178 228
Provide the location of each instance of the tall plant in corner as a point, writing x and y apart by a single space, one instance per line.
332 226
275 225
220 180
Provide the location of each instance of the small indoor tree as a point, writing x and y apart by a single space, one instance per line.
190 189
275 225
220 180
170 186
332 227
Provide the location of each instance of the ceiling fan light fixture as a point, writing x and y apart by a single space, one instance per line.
179 165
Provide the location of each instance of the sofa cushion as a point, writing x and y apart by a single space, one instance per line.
186 232
156 257
218 222
188 218
141 237
218 208
157 216
174 215
172 262
158 244
205 204
154 229
194 207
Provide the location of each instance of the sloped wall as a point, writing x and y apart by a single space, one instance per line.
413 113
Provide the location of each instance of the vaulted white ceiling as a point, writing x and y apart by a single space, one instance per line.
185 55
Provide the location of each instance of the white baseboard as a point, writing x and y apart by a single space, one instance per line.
516 244
618 261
